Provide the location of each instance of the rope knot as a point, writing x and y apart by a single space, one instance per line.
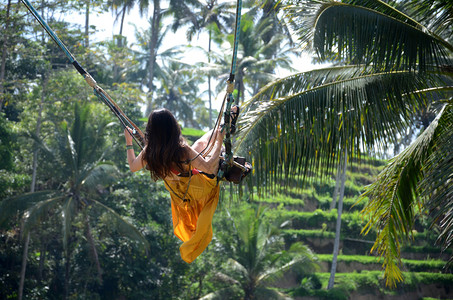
91 82
230 87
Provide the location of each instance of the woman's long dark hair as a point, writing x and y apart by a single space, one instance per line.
165 145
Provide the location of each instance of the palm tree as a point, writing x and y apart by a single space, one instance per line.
259 58
153 46
122 7
82 172
178 92
259 257
389 66
4 53
272 9
336 245
204 15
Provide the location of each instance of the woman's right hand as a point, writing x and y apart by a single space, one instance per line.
220 134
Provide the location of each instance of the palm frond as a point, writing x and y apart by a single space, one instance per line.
39 143
68 213
269 293
375 35
78 133
72 153
101 174
389 9
295 124
437 14
230 292
10 206
123 226
394 200
40 210
438 180
298 255
237 267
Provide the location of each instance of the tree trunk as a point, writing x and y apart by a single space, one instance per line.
335 192
119 42
32 189
4 54
67 270
24 266
123 15
37 133
338 226
209 81
155 26
33 178
87 24
94 253
42 258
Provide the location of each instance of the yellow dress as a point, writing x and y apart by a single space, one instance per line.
192 218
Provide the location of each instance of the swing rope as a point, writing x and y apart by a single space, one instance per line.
228 100
136 133
228 161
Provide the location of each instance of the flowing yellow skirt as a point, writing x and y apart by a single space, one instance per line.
192 218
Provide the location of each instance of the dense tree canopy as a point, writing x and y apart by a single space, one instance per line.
76 224
389 68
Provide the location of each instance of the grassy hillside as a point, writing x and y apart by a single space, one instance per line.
359 274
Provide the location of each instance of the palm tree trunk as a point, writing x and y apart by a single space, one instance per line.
24 266
155 26
336 245
335 192
87 24
42 258
67 269
37 133
94 253
32 189
4 50
209 82
33 179
119 41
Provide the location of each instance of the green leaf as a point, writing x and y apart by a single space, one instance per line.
68 214
393 200
40 211
438 180
10 207
300 122
373 33
123 226
102 174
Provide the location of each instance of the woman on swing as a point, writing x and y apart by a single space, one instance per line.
189 177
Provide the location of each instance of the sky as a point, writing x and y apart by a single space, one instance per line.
107 27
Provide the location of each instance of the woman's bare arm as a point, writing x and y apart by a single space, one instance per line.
210 163
202 143
135 163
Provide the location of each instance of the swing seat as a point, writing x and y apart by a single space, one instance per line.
237 171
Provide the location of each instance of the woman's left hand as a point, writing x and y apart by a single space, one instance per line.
128 136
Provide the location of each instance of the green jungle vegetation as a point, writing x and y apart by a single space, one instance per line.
373 121
307 218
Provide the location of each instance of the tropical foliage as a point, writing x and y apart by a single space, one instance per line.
81 175
357 106
75 224
258 258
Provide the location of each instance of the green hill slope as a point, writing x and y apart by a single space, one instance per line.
309 219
